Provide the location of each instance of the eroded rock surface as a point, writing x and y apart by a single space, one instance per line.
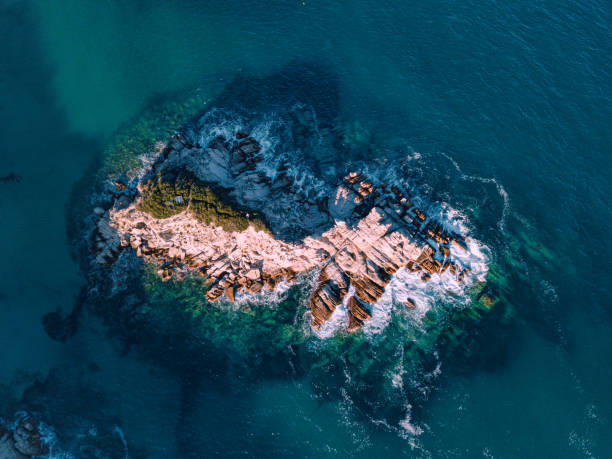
358 233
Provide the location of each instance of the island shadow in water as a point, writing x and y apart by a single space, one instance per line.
26 73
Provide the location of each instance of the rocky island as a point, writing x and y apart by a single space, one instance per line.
244 220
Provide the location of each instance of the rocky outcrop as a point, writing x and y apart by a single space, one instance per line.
358 233
23 441
7 445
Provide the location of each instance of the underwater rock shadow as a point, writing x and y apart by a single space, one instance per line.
297 82
27 71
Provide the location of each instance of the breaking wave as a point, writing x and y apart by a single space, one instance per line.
500 189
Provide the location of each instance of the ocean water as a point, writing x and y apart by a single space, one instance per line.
506 108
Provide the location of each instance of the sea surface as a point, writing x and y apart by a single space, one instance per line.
506 105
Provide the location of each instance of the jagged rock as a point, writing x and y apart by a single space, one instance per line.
333 286
459 242
358 313
359 233
24 441
27 438
229 293
7 445
119 184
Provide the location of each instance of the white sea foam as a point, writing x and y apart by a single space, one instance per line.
397 373
338 319
265 296
406 424
50 439
443 287
500 189
121 435
358 432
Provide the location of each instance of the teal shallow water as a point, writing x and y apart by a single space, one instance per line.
517 92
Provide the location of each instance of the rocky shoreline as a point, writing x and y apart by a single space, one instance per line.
22 440
259 227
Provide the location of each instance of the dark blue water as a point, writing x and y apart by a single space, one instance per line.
519 92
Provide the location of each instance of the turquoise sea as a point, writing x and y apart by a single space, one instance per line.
507 105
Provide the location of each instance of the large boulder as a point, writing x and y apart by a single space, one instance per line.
27 438
7 445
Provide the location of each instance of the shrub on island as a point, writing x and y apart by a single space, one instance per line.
172 192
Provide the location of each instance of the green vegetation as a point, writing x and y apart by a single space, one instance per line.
173 192
166 195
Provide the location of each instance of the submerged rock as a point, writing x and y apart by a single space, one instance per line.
9 178
23 440
220 212
7 445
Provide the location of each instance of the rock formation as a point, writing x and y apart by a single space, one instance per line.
223 211
23 441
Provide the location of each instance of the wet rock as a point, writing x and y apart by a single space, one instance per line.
333 286
229 293
459 242
120 184
28 440
487 300
420 215
7 445
218 142
358 313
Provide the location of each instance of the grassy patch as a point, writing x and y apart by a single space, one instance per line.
173 192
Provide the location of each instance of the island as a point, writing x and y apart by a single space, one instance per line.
246 222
